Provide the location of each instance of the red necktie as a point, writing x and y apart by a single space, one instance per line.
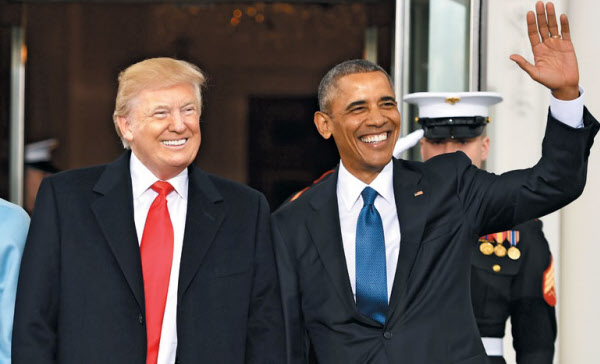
156 250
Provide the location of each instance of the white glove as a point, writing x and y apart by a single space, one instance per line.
407 142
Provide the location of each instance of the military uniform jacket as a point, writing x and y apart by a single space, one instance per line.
444 205
521 288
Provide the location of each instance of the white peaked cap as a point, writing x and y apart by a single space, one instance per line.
39 151
453 104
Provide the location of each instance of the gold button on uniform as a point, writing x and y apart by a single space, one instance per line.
496 268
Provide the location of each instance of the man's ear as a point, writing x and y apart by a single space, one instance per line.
125 128
485 148
323 124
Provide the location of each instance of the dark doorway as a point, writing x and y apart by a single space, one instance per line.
286 153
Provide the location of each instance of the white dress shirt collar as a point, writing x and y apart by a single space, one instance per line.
142 178
349 187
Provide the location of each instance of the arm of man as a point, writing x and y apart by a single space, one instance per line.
265 336
36 307
533 319
559 177
14 223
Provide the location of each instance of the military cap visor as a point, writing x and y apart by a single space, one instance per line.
453 127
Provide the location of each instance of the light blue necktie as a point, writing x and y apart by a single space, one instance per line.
371 276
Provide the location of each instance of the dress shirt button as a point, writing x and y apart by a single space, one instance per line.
387 335
141 319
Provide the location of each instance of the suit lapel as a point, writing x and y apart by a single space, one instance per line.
411 196
205 213
324 227
114 212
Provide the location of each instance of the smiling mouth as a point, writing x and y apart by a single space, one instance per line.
174 143
373 139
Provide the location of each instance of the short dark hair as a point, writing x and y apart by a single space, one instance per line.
346 68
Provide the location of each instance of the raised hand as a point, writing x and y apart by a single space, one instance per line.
555 63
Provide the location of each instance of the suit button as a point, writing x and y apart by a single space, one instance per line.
141 319
387 335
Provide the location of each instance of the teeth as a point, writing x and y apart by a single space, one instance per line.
374 138
174 142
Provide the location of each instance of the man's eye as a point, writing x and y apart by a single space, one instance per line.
160 114
357 109
189 110
390 104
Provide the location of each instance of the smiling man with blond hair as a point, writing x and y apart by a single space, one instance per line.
148 258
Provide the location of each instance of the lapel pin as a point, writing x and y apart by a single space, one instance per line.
418 193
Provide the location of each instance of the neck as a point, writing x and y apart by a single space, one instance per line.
364 175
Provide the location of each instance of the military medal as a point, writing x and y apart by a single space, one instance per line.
500 250
513 252
486 248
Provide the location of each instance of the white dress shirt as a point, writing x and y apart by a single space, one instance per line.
143 196
568 112
350 202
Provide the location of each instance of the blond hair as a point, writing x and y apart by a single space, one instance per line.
153 73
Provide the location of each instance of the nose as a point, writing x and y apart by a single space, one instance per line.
177 123
376 118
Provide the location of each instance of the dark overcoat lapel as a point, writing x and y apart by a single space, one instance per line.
205 212
114 212
324 227
412 197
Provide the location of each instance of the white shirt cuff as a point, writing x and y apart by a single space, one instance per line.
568 112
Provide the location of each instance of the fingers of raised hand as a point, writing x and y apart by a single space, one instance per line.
552 24
543 23
532 30
525 66
541 20
564 26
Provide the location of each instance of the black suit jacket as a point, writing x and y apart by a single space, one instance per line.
81 295
443 206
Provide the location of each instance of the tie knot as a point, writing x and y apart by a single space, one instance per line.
162 188
368 195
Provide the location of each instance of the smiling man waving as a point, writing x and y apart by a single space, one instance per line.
374 259
149 259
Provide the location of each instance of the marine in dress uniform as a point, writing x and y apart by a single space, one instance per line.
512 273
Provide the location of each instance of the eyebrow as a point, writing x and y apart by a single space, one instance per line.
157 107
190 103
355 103
362 102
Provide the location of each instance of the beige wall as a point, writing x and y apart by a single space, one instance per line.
517 131
580 282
